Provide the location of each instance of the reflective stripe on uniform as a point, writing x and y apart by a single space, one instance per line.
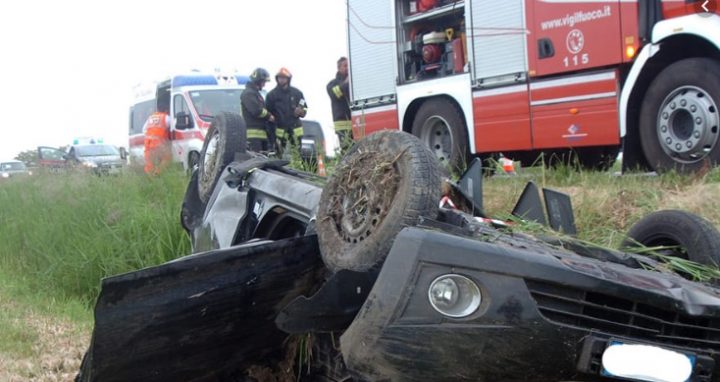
337 91
342 125
280 133
256 134
298 131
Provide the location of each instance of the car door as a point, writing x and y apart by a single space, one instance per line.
50 157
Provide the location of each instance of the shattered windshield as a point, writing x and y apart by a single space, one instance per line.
96 150
208 103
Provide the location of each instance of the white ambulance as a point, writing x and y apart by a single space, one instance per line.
191 100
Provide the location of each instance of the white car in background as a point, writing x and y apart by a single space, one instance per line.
13 168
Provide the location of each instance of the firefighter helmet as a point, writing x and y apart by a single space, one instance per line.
283 72
260 75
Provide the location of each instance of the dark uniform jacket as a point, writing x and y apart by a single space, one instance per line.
339 92
253 107
282 103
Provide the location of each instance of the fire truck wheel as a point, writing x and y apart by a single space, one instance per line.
384 183
679 118
226 136
687 235
441 127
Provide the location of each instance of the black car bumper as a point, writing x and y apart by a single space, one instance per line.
543 317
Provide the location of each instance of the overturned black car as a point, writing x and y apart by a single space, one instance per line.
365 277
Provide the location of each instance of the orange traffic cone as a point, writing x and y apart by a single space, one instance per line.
508 165
321 166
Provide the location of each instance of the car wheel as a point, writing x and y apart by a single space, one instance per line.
692 237
384 183
441 127
680 117
226 136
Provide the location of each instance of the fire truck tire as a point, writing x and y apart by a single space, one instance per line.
384 183
693 237
226 136
441 127
680 117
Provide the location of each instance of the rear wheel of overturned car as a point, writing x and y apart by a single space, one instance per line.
680 117
386 182
679 233
441 127
225 137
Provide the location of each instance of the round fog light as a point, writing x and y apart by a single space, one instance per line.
454 295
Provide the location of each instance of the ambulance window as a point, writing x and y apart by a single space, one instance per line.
140 113
179 105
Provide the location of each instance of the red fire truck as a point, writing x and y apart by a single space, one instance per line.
521 77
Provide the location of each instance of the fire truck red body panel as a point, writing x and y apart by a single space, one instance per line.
525 75
584 35
503 117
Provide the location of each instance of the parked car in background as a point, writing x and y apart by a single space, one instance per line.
90 154
313 140
13 168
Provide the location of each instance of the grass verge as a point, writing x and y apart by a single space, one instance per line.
65 232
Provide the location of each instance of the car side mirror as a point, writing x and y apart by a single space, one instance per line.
66 156
183 121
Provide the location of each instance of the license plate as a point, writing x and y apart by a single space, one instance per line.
651 363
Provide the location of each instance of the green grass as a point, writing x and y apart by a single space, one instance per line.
64 232
20 302
606 205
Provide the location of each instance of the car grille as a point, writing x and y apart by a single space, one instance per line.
613 315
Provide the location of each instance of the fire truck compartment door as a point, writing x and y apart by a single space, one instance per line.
574 111
497 31
373 52
583 34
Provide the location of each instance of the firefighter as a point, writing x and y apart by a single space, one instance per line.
339 91
287 104
259 121
158 154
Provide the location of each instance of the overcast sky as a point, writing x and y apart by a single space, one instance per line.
68 67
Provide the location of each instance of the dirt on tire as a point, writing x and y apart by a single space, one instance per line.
383 184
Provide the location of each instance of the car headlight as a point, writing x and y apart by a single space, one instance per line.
89 164
454 295
5 175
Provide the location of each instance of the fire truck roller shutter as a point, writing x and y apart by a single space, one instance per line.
440 125
679 117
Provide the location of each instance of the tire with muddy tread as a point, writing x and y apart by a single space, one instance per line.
384 183
679 117
696 238
226 136
441 127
